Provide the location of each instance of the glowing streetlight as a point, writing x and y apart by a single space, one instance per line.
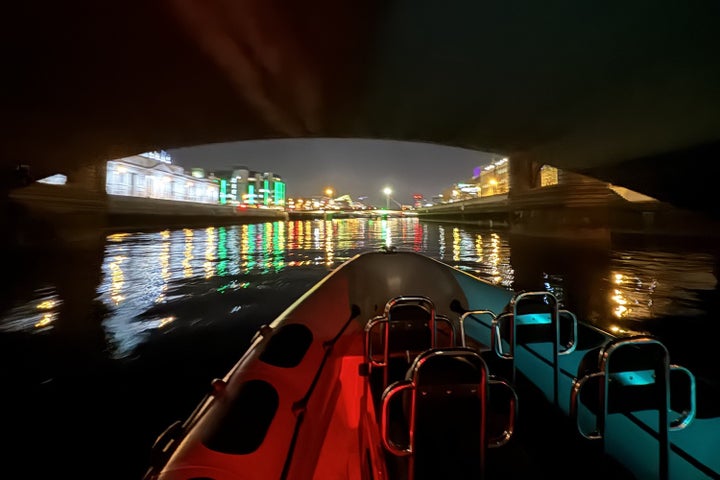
387 191
329 195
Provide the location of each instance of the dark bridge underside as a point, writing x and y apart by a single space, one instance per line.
628 92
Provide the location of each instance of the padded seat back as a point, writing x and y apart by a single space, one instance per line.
446 395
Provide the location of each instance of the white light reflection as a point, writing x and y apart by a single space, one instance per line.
32 316
329 243
456 244
479 248
187 260
494 257
441 240
117 279
164 258
210 249
46 319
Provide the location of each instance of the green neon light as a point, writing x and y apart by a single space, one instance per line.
222 252
223 191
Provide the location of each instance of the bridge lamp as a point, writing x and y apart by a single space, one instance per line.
387 191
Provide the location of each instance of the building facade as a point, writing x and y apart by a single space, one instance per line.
493 179
152 175
242 186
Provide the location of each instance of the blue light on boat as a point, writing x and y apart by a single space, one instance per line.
533 319
636 377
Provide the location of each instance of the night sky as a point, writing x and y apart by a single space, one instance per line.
354 167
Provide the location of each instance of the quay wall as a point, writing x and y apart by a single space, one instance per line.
581 211
39 215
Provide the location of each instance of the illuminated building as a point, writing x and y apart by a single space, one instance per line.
243 186
548 176
493 179
152 175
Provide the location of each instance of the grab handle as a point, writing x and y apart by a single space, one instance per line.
574 402
688 415
392 447
472 313
507 433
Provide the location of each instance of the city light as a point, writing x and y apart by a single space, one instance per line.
387 191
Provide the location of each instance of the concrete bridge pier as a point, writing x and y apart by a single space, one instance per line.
524 174
576 207
37 214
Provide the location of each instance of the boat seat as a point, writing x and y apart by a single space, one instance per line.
408 327
638 374
634 374
444 411
533 319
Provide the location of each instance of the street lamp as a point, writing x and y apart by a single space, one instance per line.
387 191
329 195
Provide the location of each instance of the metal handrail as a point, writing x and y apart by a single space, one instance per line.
391 391
689 415
368 341
472 313
507 433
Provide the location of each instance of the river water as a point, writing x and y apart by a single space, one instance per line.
102 347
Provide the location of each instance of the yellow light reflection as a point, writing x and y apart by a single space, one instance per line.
247 247
266 240
46 319
165 321
291 235
619 300
621 311
164 259
618 330
456 244
210 248
329 243
279 246
46 305
307 243
117 279
494 257
117 237
187 259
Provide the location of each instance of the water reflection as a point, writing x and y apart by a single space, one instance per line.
648 284
138 320
39 314
150 282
